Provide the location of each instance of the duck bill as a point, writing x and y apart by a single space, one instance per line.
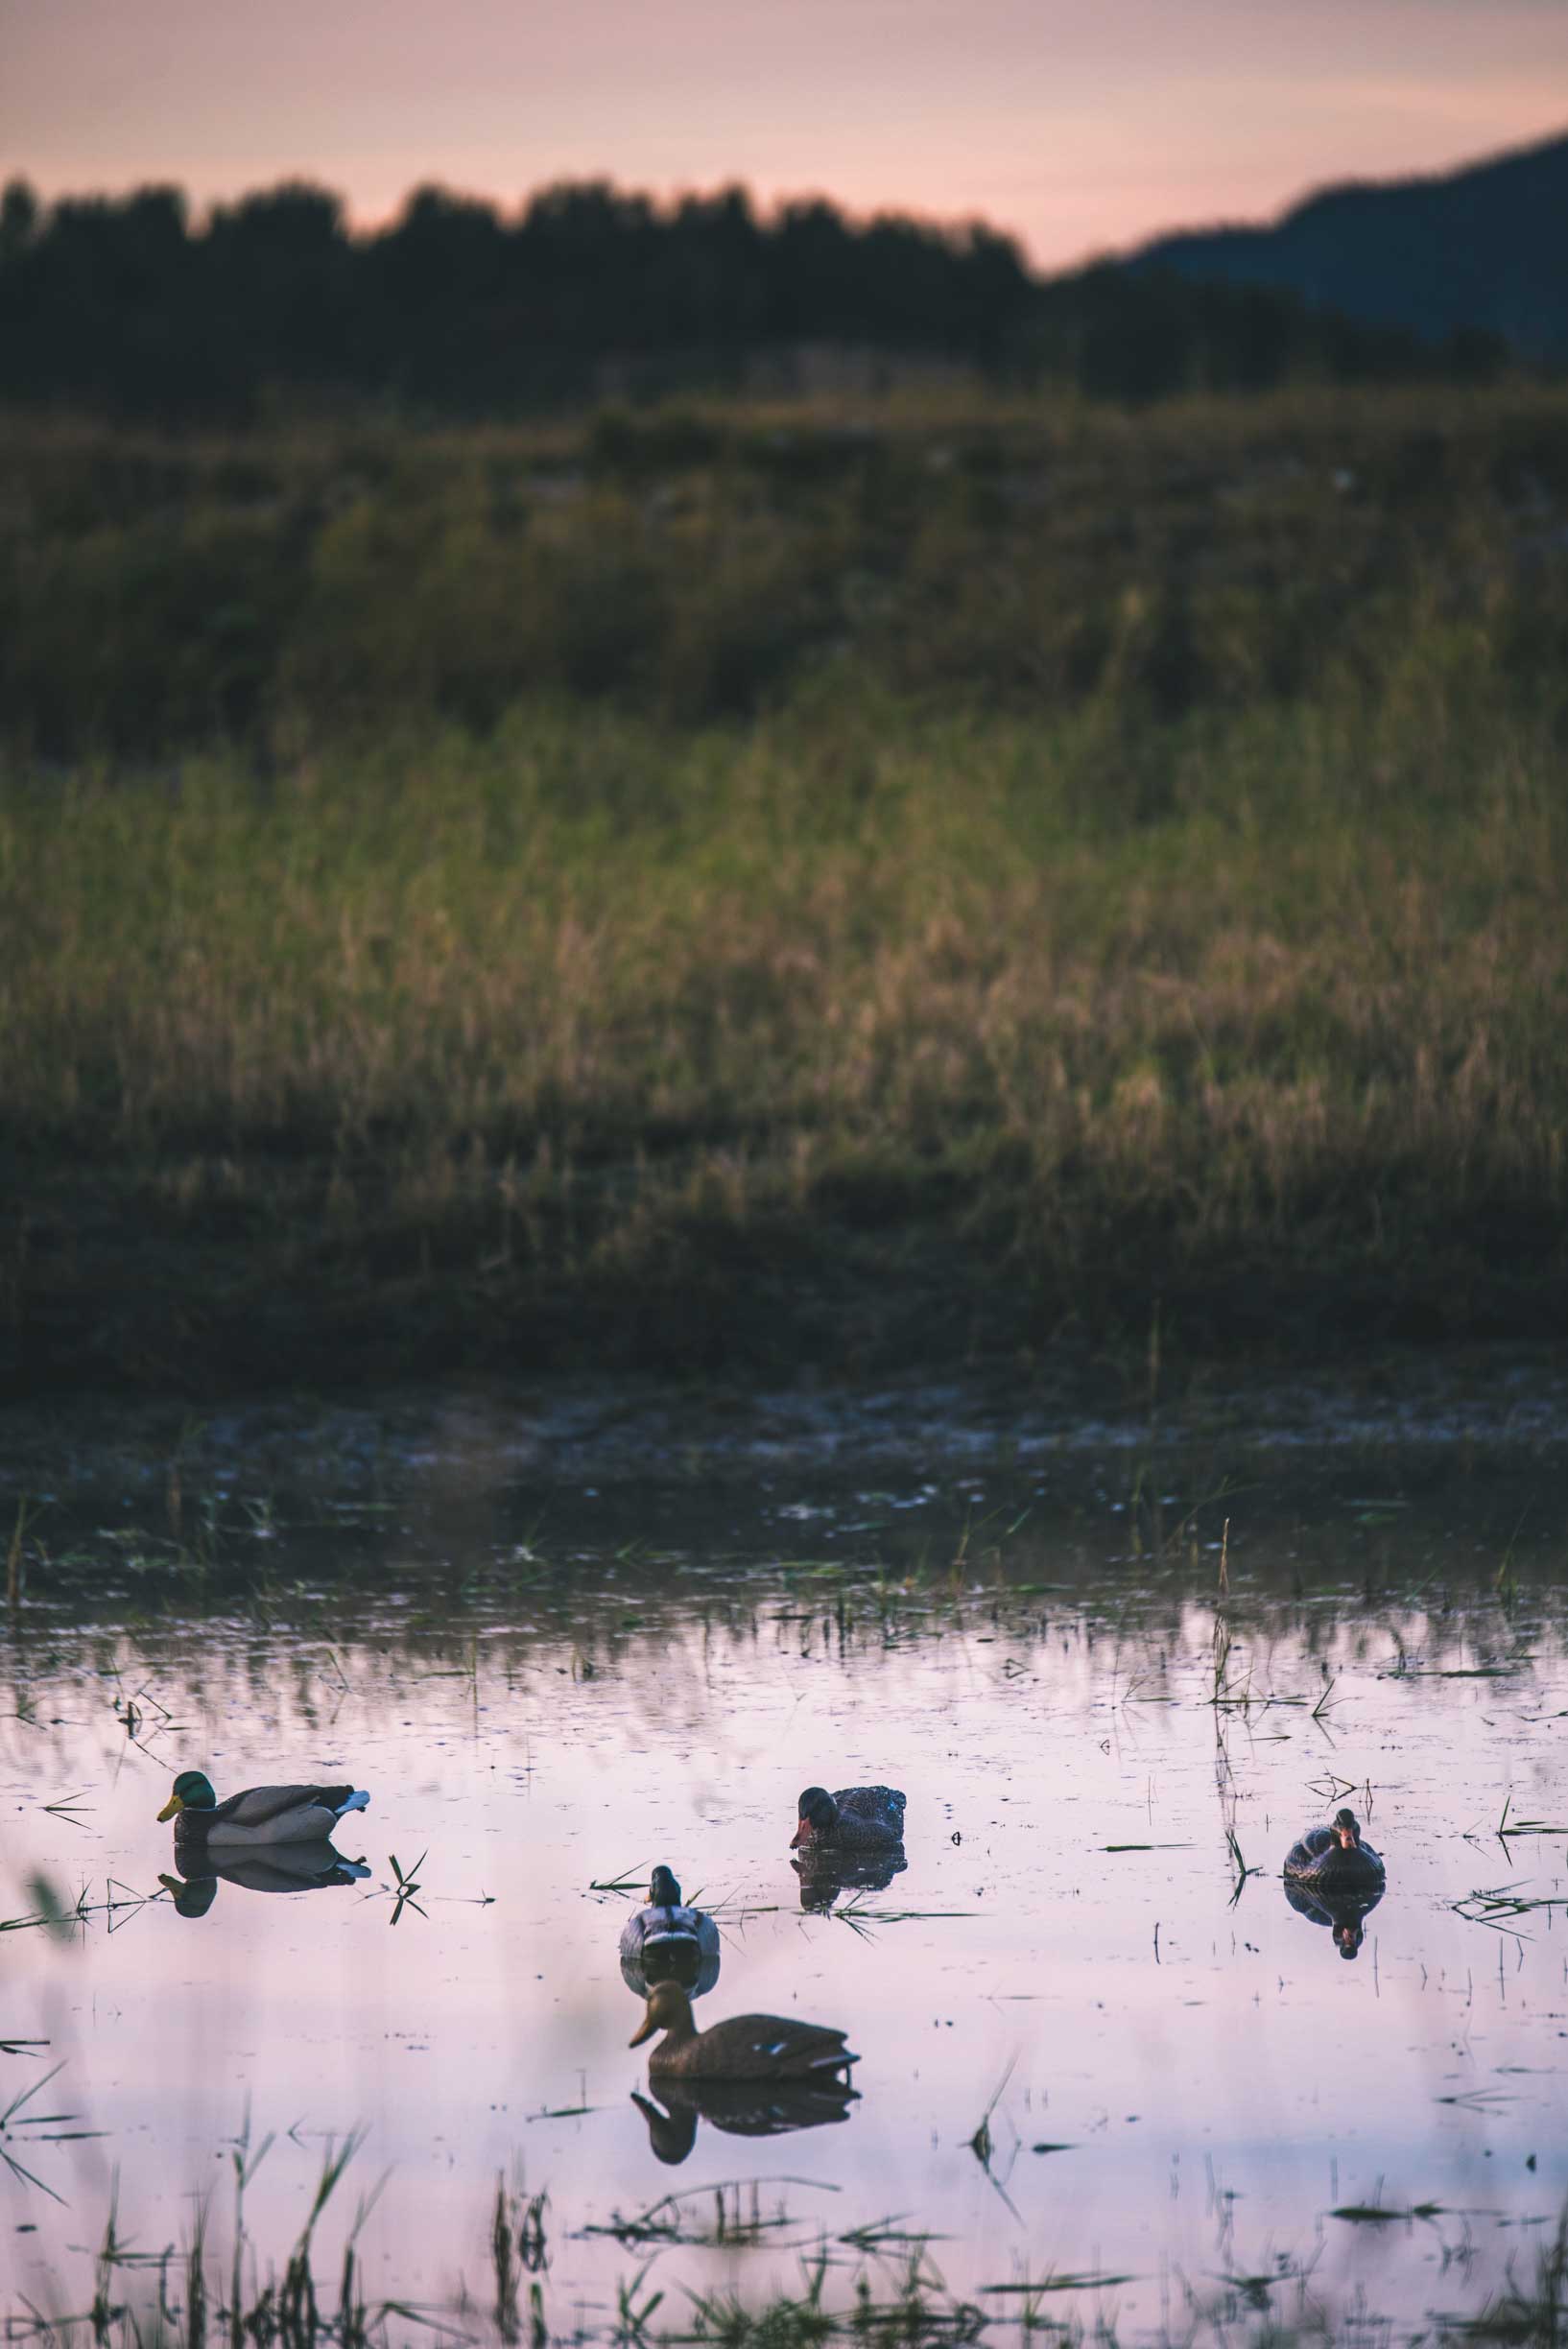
174 1804
802 1835
649 2028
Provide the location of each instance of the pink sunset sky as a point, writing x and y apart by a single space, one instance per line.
1078 126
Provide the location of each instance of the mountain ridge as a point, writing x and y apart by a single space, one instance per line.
1482 247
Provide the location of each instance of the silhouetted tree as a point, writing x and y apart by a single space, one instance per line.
120 304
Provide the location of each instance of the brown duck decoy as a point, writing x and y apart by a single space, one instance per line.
741 2047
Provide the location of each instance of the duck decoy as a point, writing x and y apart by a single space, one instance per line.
742 2048
669 1943
854 1819
259 1817
1334 1859
1345 1913
288 1867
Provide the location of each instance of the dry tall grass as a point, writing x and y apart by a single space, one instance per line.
622 1033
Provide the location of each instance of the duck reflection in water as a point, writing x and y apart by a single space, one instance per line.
741 2108
290 1867
1342 1913
825 1874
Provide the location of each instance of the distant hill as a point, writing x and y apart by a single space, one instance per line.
1482 249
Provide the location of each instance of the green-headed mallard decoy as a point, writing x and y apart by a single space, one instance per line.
259 1816
741 2047
854 1819
1335 1859
669 1943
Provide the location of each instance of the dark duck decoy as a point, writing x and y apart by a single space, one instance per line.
1334 1859
669 1943
854 1819
770 2048
257 1818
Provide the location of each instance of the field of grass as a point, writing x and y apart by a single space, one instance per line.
728 892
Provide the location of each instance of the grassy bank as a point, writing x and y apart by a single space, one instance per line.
933 1007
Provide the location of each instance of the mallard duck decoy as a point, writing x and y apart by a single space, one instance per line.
856 1818
259 1816
666 1929
285 1867
741 2047
1334 1859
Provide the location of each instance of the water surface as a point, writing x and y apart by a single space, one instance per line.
1109 1730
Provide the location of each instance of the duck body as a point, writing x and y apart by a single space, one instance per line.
740 2048
256 1819
666 1941
854 1819
1335 1861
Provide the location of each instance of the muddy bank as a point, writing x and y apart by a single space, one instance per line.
114 1285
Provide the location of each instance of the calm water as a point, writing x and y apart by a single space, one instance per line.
547 1687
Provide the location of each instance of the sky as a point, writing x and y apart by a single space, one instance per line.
1080 125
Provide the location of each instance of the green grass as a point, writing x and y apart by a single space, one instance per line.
967 993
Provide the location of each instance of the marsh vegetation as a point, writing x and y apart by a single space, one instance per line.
745 888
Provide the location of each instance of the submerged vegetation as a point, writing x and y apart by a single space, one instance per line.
740 887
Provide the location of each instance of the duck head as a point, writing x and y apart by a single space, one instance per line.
817 1816
669 2009
192 1792
1348 1827
1348 1936
663 1892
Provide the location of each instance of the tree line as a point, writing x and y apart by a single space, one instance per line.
131 306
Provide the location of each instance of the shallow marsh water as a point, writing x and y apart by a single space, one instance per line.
1101 1719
